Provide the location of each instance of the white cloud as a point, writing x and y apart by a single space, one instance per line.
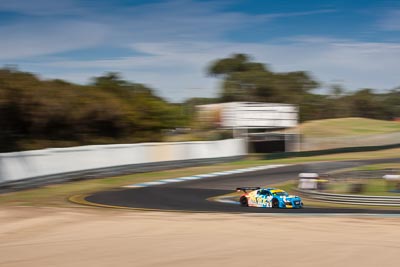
44 34
39 7
178 68
176 40
390 21
179 20
176 20
34 39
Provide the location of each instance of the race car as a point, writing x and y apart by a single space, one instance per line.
268 198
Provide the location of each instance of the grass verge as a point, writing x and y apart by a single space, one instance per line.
373 186
346 127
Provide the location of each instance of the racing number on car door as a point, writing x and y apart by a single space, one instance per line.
253 198
260 200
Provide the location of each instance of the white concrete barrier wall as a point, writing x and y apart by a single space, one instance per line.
28 164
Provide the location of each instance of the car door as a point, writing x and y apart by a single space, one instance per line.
261 198
268 198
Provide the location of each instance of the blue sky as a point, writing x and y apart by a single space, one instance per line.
169 44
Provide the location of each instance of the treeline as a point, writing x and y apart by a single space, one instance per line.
245 80
36 113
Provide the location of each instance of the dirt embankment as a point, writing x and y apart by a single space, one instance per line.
101 237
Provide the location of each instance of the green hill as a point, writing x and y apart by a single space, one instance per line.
348 127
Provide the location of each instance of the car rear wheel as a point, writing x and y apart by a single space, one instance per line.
243 202
275 203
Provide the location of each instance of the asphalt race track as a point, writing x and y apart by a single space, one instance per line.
193 195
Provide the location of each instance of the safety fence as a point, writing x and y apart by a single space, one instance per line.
27 168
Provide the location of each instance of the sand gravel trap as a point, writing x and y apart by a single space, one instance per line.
101 237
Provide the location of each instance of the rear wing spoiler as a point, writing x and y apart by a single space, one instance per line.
244 189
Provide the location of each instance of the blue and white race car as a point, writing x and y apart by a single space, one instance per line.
268 198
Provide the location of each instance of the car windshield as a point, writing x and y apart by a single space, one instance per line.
281 194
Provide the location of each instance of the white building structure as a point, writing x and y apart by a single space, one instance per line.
259 115
259 122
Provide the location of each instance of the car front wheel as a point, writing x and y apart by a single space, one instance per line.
275 203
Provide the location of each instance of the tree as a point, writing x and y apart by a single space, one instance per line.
244 80
37 113
364 104
226 66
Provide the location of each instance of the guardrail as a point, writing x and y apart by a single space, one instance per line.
329 151
351 199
